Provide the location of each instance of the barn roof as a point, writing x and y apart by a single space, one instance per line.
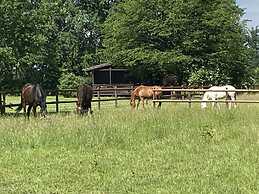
101 66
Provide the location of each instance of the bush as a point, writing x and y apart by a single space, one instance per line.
204 77
71 81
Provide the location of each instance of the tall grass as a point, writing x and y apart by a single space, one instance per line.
172 150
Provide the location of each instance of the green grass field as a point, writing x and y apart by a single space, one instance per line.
172 150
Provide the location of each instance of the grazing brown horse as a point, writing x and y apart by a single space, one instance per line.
144 92
84 99
33 96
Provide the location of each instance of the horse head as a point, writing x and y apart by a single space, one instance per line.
43 107
42 100
157 91
205 97
132 100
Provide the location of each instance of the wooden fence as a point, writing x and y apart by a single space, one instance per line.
114 93
172 95
190 93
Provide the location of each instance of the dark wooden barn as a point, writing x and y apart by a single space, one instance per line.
105 74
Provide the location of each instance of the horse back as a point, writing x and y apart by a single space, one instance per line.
32 94
147 91
84 95
26 94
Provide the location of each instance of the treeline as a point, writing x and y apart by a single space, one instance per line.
51 42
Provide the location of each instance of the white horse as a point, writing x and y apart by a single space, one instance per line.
216 92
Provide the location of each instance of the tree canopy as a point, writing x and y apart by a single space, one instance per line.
201 42
49 42
42 39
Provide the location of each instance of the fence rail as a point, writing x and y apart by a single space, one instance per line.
192 92
205 90
199 101
115 93
123 93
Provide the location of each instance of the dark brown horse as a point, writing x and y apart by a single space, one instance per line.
33 96
84 99
144 92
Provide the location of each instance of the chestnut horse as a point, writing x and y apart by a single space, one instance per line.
144 92
33 96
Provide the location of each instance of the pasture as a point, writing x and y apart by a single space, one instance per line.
172 150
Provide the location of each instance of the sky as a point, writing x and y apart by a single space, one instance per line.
251 11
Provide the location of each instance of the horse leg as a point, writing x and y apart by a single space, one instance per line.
213 102
233 101
218 105
29 110
24 110
132 104
143 102
159 103
137 103
34 111
227 103
235 97
90 108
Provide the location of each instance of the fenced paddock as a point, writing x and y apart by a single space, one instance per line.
111 95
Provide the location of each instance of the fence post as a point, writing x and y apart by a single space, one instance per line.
190 99
57 108
154 103
1 110
182 95
116 96
99 98
4 102
227 104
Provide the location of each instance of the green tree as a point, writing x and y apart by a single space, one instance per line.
192 39
46 38
253 43
25 30
7 64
